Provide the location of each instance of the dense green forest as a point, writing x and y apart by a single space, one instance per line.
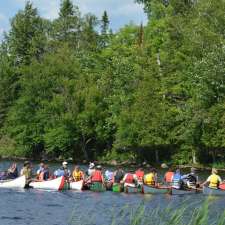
72 87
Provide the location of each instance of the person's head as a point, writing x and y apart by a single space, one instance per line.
99 167
45 166
178 171
14 165
77 168
42 165
91 165
214 171
141 169
26 164
65 164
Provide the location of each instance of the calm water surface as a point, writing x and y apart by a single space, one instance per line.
35 207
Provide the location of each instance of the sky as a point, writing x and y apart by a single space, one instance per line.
120 12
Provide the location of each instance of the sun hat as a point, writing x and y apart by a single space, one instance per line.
91 165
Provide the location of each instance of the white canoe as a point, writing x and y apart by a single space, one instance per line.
19 182
55 184
77 185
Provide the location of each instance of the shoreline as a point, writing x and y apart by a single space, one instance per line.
114 163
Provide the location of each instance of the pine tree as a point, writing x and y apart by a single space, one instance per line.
67 27
26 38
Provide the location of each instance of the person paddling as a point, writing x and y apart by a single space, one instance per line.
177 182
130 179
63 171
168 177
151 178
97 175
118 175
12 172
190 180
45 174
214 180
78 174
27 172
40 169
140 175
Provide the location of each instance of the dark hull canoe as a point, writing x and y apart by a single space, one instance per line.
97 187
156 190
211 191
184 192
130 189
117 187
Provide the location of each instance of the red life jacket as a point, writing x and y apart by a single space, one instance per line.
168 177
222 186
129 179
140 174
96 176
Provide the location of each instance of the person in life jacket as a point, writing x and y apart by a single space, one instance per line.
118 175
27 171
140 175
151 178
63 171
190 180
130 179
168 176
97 176
177 182
45 174
214 180
77 175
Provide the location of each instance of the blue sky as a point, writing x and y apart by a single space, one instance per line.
120 12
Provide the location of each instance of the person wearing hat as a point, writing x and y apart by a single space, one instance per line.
190 180
91 169
26 171
63 171
214 179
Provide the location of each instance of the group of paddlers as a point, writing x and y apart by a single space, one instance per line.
119 176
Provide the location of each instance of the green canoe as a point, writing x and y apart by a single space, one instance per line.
97 186
117 187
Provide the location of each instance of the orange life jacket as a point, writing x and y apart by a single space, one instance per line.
129 178
222 186
96 176
140 174
168 177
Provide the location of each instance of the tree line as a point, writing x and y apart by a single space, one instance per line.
72 87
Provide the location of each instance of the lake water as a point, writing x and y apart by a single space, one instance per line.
35 207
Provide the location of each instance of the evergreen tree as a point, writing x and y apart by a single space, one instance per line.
26 38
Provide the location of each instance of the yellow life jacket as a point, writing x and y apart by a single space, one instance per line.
214 181
150 179
77 176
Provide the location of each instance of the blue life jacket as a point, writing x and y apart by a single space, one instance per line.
59 173
177 181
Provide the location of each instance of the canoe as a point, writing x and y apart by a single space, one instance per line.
132 188
212 191
19 182
156 190
97 187
175 191
55 184
76 185
117 187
